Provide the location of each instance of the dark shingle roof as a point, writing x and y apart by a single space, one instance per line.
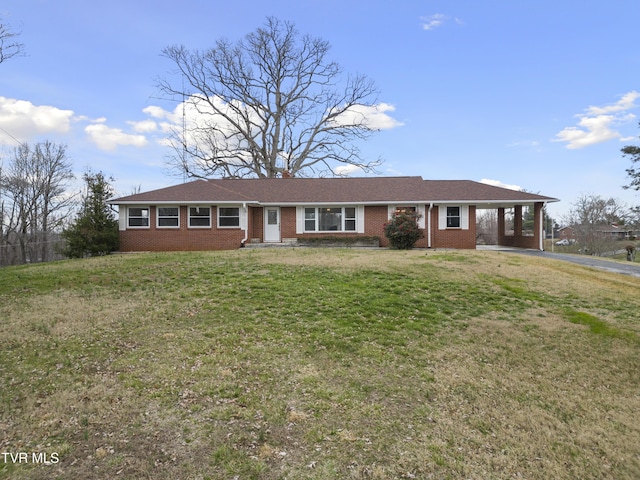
365 190
468 190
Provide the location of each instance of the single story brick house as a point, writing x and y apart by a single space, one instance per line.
221 214
602 232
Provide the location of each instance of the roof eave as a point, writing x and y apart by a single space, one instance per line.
328 202
181 202
528 201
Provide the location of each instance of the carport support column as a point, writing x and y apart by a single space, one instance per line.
517 221
538 221
501 226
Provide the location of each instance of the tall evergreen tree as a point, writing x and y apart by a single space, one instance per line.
633 152
95 230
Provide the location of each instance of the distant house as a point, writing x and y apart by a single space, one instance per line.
229 213
584 233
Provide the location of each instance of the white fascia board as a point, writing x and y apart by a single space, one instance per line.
491 202
293 204
181 202
316 204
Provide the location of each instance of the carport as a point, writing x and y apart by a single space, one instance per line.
517 236
483 196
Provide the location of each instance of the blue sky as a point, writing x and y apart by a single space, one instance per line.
541 95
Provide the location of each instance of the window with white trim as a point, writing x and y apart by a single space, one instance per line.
310 219
350 219
405 210
228 217
330 219
199 217
138 217
168 217
453 217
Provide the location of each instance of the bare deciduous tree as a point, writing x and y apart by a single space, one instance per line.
269 103
487 227
34 201
588 217
9 46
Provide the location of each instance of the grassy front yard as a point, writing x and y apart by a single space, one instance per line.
319 364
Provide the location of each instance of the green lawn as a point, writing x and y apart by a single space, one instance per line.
319 364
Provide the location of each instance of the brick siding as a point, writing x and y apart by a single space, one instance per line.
454 237
213 238
180 239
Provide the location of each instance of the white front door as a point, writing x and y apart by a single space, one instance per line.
272 224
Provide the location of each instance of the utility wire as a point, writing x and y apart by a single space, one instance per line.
12 137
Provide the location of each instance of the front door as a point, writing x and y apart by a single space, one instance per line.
272 224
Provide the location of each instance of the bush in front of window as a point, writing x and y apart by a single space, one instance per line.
338 241
403 231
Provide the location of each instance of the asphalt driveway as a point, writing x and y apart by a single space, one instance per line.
586 260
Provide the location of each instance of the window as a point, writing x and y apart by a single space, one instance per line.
330 219
350 219
405 210
228 217
138 217
199 217
168 217
310 219
453 217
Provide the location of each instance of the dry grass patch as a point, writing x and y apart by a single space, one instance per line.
522 402
320 364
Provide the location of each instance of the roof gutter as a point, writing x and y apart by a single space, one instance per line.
178 202
245 225
429 225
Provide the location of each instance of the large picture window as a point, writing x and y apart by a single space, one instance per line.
168 217
138 217
199 217
330 219
228 217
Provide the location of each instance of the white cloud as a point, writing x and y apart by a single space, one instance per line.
175 116
346 170
599 124
590 130
433 21
498 183
107 138
374 117
22 119
524 144
627 102
144 126
155 112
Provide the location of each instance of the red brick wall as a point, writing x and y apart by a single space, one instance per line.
256 223
454 237
288 222
174 239
184 238
374 220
